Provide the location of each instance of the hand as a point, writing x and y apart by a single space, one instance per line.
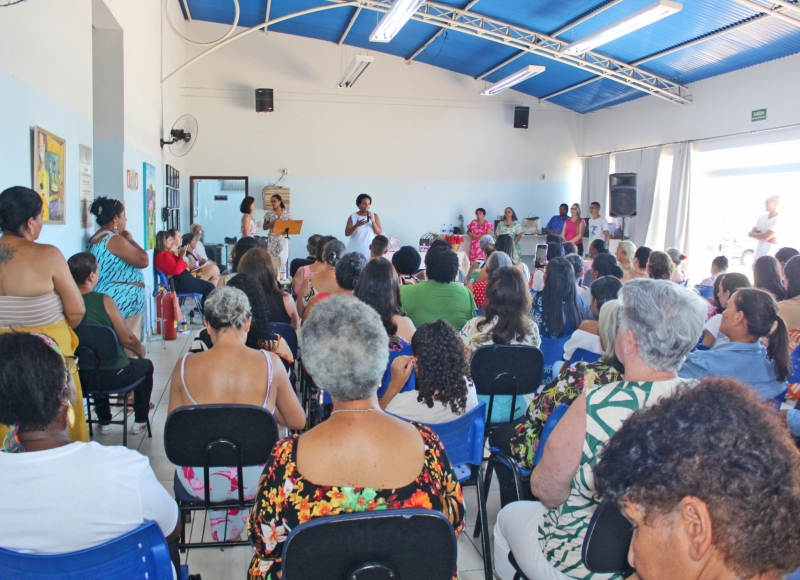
773 240
369 216
402 367
127 235
182 251
360 223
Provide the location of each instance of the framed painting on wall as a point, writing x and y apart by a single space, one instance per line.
49 177
149 173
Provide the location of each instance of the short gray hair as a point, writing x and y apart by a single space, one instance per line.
345 348
191 227
226 307
666 319
608 326
485 241
497 260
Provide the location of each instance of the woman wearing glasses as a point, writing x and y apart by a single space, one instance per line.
574 228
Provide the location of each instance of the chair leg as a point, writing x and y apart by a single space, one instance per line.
484 519
89 415
487 482
149 433
125 422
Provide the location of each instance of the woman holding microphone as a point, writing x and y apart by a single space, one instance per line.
362 226
277 242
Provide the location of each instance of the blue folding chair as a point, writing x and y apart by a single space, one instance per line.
287 333
553 351
795 356
138 555
704 291
778 401
549 425
381 545
166 283
583 355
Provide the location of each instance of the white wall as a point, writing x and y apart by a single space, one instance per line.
419 139
721 106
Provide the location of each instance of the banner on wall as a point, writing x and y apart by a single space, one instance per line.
149 173
86 186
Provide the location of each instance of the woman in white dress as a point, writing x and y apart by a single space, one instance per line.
277 243
362 226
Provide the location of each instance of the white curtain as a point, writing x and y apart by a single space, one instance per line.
594 186
657 231
678 209
644 163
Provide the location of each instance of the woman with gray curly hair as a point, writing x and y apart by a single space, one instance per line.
231 374
325 279
360 458
660 323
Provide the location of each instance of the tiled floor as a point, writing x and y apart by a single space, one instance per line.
232 563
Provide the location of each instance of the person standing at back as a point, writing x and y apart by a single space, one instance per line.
598 225
556 223
362 226
766 229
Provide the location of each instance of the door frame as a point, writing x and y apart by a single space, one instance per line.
194 178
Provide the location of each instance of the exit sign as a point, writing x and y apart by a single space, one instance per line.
758 115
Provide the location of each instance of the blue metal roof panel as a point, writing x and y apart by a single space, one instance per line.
463 53
252 12
326 25
540 15
600 95
413 35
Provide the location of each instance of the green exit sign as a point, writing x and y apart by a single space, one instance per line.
758 115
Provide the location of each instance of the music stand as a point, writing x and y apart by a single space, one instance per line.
287 228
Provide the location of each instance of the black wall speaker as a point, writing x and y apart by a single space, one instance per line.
521 117
622 194
264 102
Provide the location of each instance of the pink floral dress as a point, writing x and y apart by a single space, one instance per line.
475 243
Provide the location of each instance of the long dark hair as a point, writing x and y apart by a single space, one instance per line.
761 312
730 283
560 298
259 335
767 276
320 253
441 366
241 247
379 288
258 263
508 299
105 210
792 272
505 243
18 204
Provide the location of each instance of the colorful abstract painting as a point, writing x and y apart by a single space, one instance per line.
49 177
149 173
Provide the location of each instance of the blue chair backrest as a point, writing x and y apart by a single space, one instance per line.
553 351
463 437
287 333
162 279
795 378
702 347
549 425
704 291
137 555
583 355
778 401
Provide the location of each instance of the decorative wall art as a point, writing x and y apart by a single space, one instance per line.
49 177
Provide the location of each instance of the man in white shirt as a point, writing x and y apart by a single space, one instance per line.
766 228
598 225
200 250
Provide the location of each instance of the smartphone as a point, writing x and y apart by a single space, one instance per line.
541 255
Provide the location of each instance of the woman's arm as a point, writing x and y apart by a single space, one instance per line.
709 339
291 310
581 230
303 291
518 237
376 224
482 275
67 290
309 307
351 227
267 222
175 388
124 334
123 246
401 371
286 402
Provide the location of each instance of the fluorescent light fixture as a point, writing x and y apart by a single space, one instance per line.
521 75
639 19
391 23
358 65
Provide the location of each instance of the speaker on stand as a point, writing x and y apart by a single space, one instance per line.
622 196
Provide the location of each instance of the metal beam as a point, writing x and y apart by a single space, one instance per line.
788 6
419 51
350 25
770 11
507 34
585 17
266 16
482 76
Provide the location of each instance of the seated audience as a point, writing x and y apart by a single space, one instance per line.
640 259
231 373
727 285
570 248
406 262
784 255
625 253
767 276
659 323
719 266
324 279
85 494
695 497
347 272
492 264
198 267
486 245
101 309
360 458
565 388
677 258
660 266
168 259
789 310
444 390
505 243
316 266
554 250
587 336
311 250
597 247
439 297
602 265
240 248
557 310
554 239
378 247
280 304
752 314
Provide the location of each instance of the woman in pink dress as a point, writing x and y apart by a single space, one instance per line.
476 229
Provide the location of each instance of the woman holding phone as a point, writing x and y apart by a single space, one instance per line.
362 227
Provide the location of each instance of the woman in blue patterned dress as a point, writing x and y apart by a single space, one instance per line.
120 261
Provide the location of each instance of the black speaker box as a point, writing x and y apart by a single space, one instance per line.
521 117
264 101
622 194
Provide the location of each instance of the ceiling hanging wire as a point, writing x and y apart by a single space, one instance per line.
213 42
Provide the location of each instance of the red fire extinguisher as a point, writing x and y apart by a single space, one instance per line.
165 312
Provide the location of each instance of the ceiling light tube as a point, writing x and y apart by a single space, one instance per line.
358 65
521 75
635 21
397 16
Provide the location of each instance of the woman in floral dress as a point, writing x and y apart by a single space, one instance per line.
476 229
510 225
277 243
360 459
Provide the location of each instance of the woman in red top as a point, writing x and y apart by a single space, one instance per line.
574 228
169 253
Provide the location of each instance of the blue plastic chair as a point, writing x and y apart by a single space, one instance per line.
704 291
550 424
165 282
287 333
778 401
583 355
138 555
553 351
795 356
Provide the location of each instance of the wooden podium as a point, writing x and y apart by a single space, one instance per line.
287 227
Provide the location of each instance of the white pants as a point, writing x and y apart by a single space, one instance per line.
517 531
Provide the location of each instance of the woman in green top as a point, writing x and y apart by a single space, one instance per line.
510 225
101 309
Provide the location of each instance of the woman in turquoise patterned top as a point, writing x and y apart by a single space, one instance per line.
510 225
659 323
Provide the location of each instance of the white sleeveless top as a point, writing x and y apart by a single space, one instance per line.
362 237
